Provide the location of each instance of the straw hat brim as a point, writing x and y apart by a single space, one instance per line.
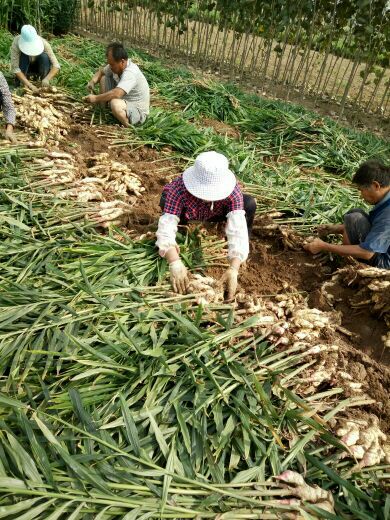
34 48
211 191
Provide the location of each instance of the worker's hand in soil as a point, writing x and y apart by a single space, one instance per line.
45 83
90 86
324 230
9 134
328 229
315 246
229 283
91 98
179 276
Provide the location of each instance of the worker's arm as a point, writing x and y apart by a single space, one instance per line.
115 93
23 79
238 250
52 73
54 64
95 79
318 245
168 249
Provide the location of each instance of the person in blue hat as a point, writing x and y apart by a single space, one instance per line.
32 55
366 236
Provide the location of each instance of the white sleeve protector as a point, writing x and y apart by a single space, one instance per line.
237 235
166 232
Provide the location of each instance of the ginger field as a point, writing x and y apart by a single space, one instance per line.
122 400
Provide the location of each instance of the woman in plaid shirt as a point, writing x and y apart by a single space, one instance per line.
207 191
7 105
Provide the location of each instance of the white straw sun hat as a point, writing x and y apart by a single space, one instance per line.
30 42
210 178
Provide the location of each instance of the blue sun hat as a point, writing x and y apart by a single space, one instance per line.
30 42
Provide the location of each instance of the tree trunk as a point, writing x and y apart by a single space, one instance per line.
375 91
382 109
355 66
223 50
277 66
245 53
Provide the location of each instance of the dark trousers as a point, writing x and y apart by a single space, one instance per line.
357 225
249 207
39 67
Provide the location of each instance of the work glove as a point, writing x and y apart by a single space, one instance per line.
229 283
179 276
9 134
45 82
90 86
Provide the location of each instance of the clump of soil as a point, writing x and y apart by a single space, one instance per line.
366 329
221 128
154 168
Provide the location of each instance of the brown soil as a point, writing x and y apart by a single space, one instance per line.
272 269
221 128
153 168
367 330
363 368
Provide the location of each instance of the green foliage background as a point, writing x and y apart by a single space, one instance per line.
54 16
324 24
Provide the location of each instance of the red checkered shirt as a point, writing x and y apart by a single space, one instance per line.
181 203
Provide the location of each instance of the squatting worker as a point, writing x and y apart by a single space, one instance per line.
123 86
7 106
366 236
32 56
207 191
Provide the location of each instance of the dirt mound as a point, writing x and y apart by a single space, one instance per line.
361 295
154 169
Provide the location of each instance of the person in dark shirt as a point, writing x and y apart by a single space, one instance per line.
366 236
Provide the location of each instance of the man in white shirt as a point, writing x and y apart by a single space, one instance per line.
123 86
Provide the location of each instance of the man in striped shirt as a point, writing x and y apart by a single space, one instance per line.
207 191
7 105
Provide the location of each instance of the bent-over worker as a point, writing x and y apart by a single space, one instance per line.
366 236
7 105
207 191
123 86
32 55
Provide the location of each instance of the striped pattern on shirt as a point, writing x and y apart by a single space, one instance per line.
6 102
181 203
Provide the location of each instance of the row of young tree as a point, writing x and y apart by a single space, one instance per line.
321 23
317 46
339 49
53 16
